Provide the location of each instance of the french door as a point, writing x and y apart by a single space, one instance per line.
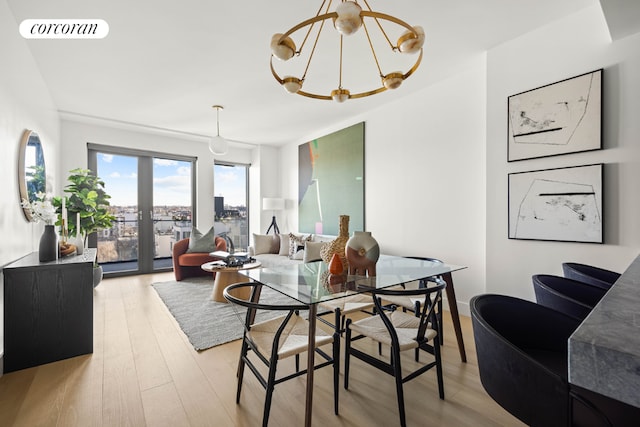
152 198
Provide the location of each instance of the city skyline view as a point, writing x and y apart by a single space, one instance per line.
171 181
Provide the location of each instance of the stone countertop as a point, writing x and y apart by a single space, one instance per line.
604 352
30 260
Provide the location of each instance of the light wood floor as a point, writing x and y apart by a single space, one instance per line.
144 372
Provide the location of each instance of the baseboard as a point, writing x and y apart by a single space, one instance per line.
463 308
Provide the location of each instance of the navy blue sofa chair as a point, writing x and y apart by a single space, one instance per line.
590 274
522 350
568 296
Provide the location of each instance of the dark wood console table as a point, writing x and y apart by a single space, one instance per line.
48 309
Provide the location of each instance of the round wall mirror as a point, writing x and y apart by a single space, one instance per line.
32 174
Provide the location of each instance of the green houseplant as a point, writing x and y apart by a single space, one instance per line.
86 196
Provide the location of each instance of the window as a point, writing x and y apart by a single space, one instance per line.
231 186
152 199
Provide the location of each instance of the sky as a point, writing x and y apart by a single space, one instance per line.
171 181
231 183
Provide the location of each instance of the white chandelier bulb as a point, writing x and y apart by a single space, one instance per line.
291 84
340 95
409 43
393 80
283 50
348 20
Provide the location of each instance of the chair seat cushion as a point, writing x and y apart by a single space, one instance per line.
402 301
195 259
294 340
350 304
405 324
408 302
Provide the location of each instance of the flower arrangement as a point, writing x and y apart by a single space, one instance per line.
41 209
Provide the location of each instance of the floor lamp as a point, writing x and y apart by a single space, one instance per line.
273 204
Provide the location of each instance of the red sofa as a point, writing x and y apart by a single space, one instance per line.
188 264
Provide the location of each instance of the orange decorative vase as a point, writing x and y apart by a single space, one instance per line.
336 282
335 265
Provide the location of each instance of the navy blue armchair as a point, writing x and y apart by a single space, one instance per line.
590 274
568 296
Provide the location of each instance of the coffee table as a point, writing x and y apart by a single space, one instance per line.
226 276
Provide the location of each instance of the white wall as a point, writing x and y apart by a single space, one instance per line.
263 182
563 49
25 103
424 175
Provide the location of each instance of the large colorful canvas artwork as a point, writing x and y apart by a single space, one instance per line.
563 204
331 181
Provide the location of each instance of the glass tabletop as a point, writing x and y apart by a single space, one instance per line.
311 283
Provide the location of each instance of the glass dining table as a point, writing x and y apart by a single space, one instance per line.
311 284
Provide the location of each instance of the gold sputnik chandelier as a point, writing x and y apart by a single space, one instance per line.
347 18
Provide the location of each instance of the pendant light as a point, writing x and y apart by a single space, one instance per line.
217 144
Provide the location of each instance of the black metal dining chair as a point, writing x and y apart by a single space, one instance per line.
414 305
400 331
275 339
590 274
568 296
409 303
342 307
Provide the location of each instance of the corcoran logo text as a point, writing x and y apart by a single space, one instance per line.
64 28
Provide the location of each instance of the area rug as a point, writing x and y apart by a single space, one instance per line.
205 322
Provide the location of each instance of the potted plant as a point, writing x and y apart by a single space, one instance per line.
86 197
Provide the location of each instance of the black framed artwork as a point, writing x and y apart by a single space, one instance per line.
559 118
562 204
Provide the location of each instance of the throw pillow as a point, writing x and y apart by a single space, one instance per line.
296 244
265 244
199 242
312 251
323 238
284 244
299 255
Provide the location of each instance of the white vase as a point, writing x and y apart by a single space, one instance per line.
362 253
79 242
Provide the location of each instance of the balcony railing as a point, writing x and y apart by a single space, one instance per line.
120 243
